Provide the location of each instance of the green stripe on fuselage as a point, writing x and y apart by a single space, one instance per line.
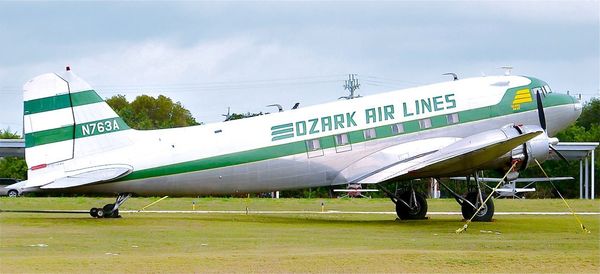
61 101
297 147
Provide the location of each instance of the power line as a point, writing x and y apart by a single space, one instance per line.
213 86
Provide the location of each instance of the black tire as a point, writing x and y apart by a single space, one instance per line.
100 213
109 212
94 212
484 215
405 213
13 193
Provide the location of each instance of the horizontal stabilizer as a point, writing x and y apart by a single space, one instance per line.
518 180
90 175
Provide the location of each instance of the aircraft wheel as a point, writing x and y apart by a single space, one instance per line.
406 213
94 212
100 213
109 212
484 215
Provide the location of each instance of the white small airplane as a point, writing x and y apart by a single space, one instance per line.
75 142
354 191
509 188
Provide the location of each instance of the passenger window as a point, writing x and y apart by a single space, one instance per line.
398 128
452 118
313 144
425 123
369 133
341 139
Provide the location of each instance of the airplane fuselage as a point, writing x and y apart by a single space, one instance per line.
316 145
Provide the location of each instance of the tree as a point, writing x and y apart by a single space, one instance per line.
7 134
586 129
237 116
12 167
590 115
147 112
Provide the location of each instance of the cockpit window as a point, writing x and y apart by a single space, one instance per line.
547 89
544 90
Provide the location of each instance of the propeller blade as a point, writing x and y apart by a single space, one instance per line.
540 108
559 154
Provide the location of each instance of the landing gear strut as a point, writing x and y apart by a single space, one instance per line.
474 199
410 205
110 210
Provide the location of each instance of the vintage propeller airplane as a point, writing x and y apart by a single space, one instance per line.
75 142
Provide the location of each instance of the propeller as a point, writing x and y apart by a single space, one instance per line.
540 108
559 154
542 117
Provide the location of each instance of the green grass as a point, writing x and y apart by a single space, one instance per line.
85 203
152 242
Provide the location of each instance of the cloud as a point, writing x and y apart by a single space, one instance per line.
208 76
210 56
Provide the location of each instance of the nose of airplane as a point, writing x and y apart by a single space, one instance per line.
578 107
560 118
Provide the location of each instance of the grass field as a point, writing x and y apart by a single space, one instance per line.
308 242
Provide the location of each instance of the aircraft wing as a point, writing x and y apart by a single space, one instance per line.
482 179
465 154
531 180
83 176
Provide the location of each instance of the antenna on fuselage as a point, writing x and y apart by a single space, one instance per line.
507 70
279 107
454 76
228 115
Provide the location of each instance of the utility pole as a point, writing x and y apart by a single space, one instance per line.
351 85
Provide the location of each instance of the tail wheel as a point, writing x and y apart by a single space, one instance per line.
484 215
94 212
417 203
110 212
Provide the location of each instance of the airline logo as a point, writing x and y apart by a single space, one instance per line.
371 116
521 96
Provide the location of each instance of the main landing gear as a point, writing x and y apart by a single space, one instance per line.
410 205
110 210
474 199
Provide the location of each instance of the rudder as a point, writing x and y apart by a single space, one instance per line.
64 119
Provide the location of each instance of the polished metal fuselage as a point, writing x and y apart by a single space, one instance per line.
302 171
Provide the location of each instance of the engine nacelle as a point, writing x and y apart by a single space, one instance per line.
537 148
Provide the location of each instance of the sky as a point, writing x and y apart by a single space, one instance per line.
246 55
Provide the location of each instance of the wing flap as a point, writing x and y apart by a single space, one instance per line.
450 158
89 176
391 156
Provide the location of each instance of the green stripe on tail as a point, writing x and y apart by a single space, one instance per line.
81 130
61 101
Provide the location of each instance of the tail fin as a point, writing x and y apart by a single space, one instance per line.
64 119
